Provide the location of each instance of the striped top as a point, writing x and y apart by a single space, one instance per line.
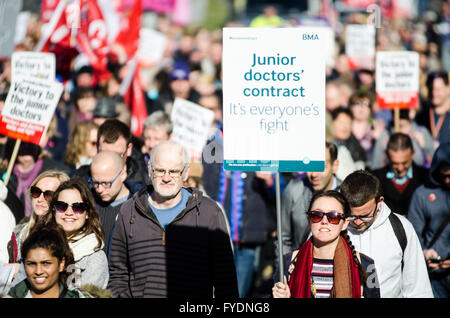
322 277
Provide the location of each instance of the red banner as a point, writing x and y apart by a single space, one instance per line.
22 130
92 36
138 106
130 27
77 26
47 9
401 100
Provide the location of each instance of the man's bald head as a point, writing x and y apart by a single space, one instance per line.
171 147
107 159
108 174
168 169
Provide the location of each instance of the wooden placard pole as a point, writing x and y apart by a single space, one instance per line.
12 160
396 119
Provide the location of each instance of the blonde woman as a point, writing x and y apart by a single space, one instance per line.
82 146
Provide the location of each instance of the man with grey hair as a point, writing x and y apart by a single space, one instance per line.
157 127
171 241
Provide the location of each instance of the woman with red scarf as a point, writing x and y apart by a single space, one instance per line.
327 265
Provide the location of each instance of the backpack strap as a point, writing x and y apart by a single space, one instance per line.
439 231
399 231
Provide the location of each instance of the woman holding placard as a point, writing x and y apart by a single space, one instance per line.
327 265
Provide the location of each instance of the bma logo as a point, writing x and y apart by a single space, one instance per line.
313 36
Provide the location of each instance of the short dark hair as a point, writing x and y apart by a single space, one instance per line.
111 130
332 194
430 79
360 187
332 149
359 95
51 237
399 141
341 110
82 92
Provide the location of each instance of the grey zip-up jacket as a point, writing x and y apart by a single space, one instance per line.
192 257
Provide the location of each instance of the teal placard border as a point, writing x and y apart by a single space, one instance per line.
274 165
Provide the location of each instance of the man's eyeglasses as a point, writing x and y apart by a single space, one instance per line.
105 185
77 207
360 103
364 218
36 193
332 217
172 173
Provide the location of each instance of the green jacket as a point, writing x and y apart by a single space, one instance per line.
21 291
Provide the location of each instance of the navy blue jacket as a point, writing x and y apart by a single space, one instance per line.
254 223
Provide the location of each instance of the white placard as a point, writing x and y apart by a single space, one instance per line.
397 79
191 126
33 65
274 98
29 107
360 45
152 45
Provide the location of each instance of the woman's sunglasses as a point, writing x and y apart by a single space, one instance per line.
36 193
332 217
77 207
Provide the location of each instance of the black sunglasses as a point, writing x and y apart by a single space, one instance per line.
36 193
332 217
77 207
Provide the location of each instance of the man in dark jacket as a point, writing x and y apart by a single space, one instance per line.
171 241
110 190
116 136
402 176
429 214
245 198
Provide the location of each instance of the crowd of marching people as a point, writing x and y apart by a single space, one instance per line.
98 210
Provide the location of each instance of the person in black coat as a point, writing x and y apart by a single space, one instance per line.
245 199
116 136
400 178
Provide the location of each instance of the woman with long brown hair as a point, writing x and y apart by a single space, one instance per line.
327 265
73 208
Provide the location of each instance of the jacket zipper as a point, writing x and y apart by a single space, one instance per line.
163 239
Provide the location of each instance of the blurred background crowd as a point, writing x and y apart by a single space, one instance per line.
179 56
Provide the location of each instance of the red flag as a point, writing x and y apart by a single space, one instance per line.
58 38
47 9
92 37
137 105
130 27
77 26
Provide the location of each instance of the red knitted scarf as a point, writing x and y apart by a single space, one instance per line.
346 283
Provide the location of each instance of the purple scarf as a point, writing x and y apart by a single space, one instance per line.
24 180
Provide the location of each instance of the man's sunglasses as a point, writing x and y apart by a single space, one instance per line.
365 218
36 193
77 207
332 217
